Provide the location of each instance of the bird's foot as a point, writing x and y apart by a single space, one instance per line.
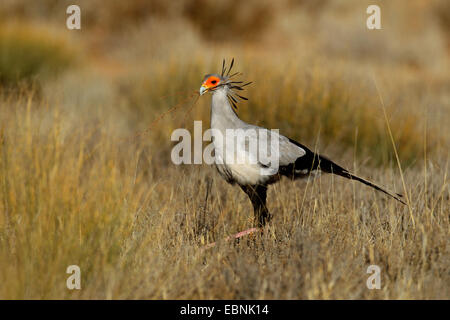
263 219
236 236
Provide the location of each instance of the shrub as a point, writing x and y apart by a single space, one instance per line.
27 54
230 20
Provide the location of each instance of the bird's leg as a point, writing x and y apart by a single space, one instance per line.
258 195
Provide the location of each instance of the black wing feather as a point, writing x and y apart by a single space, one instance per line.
312 161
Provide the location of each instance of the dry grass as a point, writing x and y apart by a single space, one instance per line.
78 187
73 195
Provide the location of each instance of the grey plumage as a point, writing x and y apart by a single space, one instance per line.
239 163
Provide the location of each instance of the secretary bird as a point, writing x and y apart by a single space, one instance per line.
294 159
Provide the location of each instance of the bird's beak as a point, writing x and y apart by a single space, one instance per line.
203 89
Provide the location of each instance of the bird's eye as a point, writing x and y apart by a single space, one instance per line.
214 81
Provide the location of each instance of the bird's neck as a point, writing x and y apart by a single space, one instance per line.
222 114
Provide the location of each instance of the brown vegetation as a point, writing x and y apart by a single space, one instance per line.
79 186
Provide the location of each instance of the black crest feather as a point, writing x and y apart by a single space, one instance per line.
233 85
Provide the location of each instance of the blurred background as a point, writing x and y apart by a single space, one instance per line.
85 170
313 64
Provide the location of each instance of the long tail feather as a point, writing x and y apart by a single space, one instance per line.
329 166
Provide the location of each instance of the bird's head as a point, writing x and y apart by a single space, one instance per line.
212 82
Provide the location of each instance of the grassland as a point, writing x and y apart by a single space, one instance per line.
86 176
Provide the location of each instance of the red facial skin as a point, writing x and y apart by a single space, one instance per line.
211 82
